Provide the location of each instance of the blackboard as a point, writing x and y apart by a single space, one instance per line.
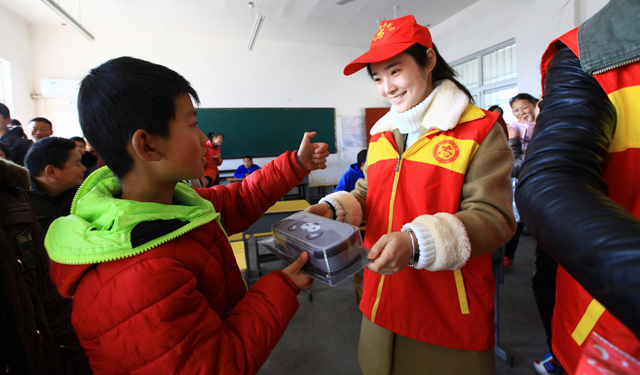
262 132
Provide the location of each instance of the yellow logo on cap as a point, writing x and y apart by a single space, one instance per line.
381 29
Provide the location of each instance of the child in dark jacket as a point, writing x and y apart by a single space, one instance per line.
146 257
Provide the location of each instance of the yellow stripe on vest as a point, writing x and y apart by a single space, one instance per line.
446 152
375 306
471 113
588 321
381 149
462 294
627 134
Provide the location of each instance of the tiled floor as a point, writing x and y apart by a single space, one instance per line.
323 337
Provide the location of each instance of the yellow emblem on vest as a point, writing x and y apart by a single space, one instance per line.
446 151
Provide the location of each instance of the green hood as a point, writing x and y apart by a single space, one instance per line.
101 228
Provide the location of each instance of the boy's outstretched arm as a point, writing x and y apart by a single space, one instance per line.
241 204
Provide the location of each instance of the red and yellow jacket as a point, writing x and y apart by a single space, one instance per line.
577 313
446 308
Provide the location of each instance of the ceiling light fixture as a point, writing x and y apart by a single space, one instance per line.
256 24
256 28
70 20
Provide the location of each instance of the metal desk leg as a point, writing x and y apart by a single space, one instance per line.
498 268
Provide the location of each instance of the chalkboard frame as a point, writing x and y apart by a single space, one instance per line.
247 131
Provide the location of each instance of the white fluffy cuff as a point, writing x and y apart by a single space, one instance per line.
426 244
451 242
348 209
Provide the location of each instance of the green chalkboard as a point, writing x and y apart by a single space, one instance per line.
263 132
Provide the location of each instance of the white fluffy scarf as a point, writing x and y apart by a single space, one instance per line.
442 110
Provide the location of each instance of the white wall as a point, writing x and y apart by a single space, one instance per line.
15 48
275 74
223 73
533 24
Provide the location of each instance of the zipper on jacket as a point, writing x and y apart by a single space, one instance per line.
615 66
393 198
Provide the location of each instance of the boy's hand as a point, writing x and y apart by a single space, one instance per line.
312 156
293 271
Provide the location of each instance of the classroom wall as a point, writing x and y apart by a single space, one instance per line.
533 24
223 72
15 48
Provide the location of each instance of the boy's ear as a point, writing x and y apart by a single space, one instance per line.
49 172
143 146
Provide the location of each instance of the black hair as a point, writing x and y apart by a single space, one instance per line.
123 95
15 122
440 71
362 157
211 136
248 157
523 96
79 139
48 151
495 106
6 150
42 119
4 111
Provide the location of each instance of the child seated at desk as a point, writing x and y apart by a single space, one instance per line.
246 168
353 174
155 283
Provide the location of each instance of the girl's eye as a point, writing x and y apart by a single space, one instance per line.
395 71
195 124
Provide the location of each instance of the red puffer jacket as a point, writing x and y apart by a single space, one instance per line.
182 307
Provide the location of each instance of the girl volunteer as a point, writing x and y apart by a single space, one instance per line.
436 197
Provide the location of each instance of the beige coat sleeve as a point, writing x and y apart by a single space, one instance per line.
486 202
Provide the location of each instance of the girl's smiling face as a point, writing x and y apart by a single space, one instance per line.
402 81
524 110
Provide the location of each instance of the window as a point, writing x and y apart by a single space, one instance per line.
491 76
5 83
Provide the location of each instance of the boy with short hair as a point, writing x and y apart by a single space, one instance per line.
246 168
56 172
40 128
13 137
146 257
353 174
89 160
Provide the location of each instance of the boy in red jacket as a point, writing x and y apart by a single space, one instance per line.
146 257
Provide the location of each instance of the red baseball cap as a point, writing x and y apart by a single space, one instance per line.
392 38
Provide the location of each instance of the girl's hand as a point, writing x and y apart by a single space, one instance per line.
320 209
293 271
312 156
391 253
513 132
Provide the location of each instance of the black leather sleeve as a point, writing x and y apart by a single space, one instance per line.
518 156
562 196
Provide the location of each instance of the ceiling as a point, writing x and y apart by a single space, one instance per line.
349 23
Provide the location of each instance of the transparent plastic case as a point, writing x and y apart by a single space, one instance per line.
335 249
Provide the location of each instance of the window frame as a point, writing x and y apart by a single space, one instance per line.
478 92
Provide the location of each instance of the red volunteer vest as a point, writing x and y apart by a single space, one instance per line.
452 309
577 313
